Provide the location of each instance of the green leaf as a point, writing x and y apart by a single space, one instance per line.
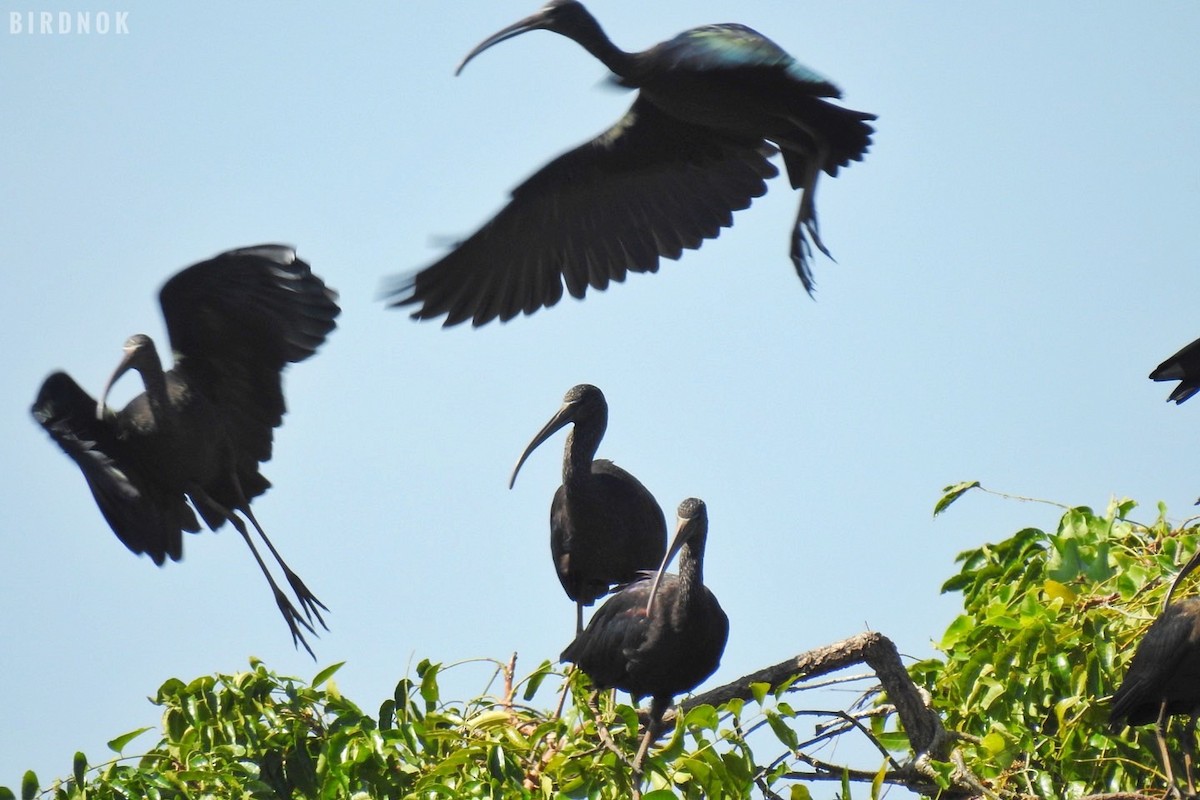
952 493
782 732
79 768
760 690
993 743
1099 569
959 629
659 794
1059 591
326 673
29 785
7 793
535 680
428 673
701 716
799 792
877 781
1066 563
118 744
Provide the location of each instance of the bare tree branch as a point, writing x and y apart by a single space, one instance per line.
921 722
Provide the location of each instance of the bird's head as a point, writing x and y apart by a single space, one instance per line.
565 17
138 350
581 404
690 527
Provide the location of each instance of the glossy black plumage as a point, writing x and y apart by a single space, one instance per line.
605 526
664 648
1163 679
660 635
200 430
1184 367
1165 667
713 104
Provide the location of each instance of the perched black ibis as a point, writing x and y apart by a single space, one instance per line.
605 526
713 104
200 430
1184 367
1164 678
661 634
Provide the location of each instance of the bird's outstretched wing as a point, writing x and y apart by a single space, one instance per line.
650 186
1184 367
234 322
146 521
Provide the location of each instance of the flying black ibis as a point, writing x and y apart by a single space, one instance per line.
713 104
200 430
605 526
1164 677
1184 367
661 634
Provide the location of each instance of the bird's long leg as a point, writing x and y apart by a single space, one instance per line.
1189 753
815 149
578 618
658 707
290 614
1160 733
803 143
308 600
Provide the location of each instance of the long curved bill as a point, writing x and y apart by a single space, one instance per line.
1183 573
533 22
562 417
123 367
683 532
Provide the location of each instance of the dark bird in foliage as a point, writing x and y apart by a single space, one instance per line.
660 635
1164 678
1184 367
200 430
713 104
605 526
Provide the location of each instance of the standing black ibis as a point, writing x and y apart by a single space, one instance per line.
1164 677
659 635
200 430
693 149
1184 367
605 526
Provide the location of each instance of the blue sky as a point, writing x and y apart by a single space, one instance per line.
1014 255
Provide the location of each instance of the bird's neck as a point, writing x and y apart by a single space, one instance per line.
155 382
617 60
579 452
691 575
591 37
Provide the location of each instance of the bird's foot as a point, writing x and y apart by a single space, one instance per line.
308 600
292 617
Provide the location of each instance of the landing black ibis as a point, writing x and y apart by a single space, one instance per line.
1184 367
713 104
605 526
1164 677
661 634
200 430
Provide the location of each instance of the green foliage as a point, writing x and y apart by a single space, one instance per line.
254 734
1049 624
